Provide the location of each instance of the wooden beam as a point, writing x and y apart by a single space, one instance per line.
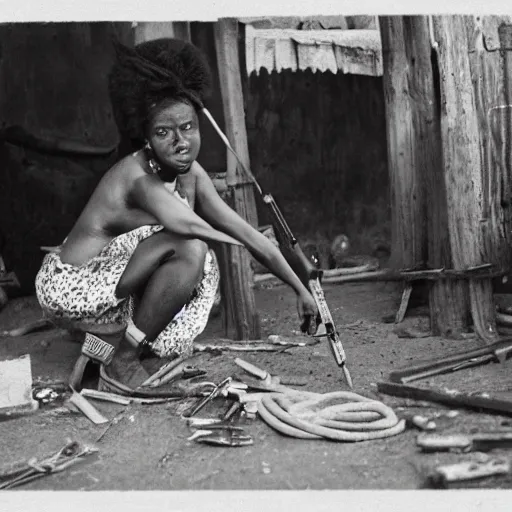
408 232
463 165
242 321
147 31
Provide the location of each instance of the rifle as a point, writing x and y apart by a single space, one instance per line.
310 276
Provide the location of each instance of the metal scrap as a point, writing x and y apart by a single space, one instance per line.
25 472
227 436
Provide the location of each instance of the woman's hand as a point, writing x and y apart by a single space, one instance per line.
308 311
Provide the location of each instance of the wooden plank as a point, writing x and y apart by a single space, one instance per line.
357 51
501 128
317 57
356 61
148 31
451 399
16 386
408 231
494 118
462 157
242 322
286 55
264 54
449 306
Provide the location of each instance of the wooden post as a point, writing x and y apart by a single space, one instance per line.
408 231
404 114
490 44
448 299
463 163
242 322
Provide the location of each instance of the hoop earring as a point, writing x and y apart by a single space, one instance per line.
153 165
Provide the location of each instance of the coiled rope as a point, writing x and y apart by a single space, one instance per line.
337 416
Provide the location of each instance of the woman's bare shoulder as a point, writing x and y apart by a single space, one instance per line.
130 165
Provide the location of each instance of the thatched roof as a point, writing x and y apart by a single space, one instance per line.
347 51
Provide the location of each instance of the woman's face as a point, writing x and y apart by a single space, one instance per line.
174 136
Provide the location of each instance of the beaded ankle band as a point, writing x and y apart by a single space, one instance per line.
97 349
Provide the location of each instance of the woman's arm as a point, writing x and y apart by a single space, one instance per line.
215 211
149 193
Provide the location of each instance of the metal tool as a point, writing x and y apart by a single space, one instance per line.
453 399
163 371
182 371
480 442
498 351
34 469
469 470
228 436
204 401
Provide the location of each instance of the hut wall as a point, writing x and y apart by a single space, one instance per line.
52 83
318 144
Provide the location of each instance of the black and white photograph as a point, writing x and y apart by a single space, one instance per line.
257 250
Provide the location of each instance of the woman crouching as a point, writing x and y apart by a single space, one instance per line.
138 254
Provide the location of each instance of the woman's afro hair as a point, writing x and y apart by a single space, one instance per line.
151 72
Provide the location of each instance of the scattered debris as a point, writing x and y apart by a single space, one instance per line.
117 418
482 442
498 351
451 398
204 401
27 328
105 396
81 403
420 422
45 395
226 436
404 332
25 472
16 388
445 475
268 347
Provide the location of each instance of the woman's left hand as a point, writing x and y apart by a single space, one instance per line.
308 311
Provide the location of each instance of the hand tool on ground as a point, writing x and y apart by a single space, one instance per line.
453 398
227 436
34 468
232 410
192 411
498 351
163 370
265 381
176 390
180 371
304 268
465 471
479 442
82 404
104 396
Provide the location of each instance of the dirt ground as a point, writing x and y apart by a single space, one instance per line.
146 447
